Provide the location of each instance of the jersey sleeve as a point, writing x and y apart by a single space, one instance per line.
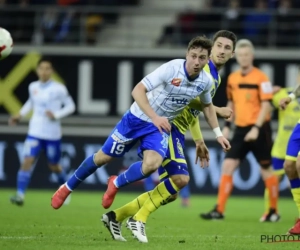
205 96
159 76
68 104
277 97
28 105
195 129
265 89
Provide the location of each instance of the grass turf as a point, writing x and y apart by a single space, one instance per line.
37 226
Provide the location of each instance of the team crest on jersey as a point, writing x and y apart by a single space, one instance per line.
176 82
200 88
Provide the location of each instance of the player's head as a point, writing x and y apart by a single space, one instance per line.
244 53
197 54
44 69
224 42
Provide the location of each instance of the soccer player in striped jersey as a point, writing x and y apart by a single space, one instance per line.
292 158
174 165
159 98
49 101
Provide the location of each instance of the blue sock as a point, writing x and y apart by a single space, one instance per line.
23 179
61 177
149 184
185 192
86 168
132 174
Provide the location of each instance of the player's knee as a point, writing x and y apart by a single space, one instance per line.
180 180
265 165
27 163
101 158
229 166
151 162
290 169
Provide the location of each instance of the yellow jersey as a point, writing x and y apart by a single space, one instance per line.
189 117
287 120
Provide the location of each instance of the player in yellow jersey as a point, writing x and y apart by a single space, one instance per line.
286 122
174 170
292 158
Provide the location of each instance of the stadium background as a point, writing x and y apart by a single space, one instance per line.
101 49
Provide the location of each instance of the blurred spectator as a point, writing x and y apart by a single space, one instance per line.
286 24
256 24
180 32
233 19
208 21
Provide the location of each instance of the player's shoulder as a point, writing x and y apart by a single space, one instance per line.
207 75
260 73
33 84
175 63
234 75
58 86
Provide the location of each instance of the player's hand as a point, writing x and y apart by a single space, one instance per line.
224 143
202 154
284 102
14 120
225 112
252 134
226 132
50 115
162 123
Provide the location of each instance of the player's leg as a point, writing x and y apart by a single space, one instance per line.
291 163
153 149
117 144
113 219
232 160
261 149
277 165
32 148
185 196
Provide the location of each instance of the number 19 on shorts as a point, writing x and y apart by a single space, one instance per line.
117 148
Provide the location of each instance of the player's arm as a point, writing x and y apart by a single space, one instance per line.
150 82
221 111
292 96
211 118
26 108
266 95
68 105
196 131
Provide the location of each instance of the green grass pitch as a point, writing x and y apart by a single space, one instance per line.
36 226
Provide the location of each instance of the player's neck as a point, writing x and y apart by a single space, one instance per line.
44 81
218 67
246 70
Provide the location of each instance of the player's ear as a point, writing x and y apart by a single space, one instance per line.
233 54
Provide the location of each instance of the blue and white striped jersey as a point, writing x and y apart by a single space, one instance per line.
170 90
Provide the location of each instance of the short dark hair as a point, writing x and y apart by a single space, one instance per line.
44 59
227 34
200 41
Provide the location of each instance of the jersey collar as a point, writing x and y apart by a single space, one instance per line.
214 72
187 74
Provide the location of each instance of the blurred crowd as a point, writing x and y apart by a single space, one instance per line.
267 23
53 25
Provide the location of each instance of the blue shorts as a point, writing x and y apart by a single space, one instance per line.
33 147
131 129
174 162
277 165
293 147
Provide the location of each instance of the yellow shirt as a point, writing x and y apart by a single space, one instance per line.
188 118
287 120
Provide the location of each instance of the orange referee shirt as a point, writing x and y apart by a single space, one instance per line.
247 92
